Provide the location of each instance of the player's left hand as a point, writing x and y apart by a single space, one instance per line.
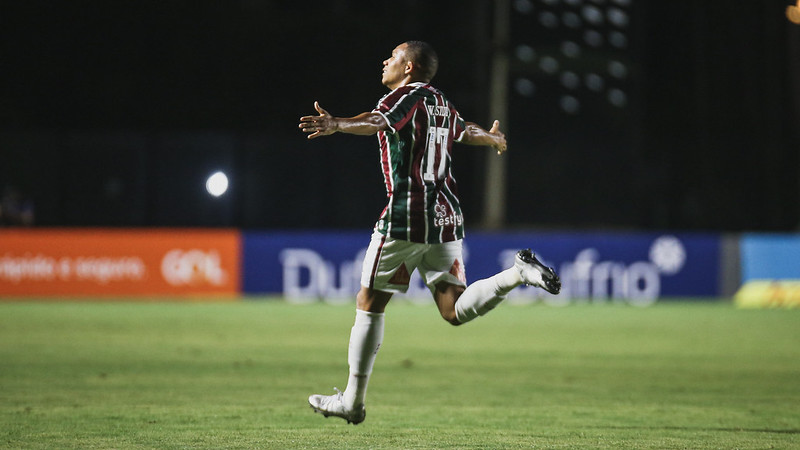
321 125
500 138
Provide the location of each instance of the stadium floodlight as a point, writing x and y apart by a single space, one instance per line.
217 184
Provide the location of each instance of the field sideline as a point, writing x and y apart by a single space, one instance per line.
236 375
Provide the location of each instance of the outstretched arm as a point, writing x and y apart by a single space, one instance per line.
475 135
324 124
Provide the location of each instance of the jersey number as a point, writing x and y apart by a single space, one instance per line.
436 136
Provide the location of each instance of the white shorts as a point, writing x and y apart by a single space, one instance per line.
389 263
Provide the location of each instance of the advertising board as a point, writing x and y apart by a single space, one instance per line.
637 268
115 262
770 271
770 257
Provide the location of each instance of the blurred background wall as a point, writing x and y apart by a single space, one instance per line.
622 114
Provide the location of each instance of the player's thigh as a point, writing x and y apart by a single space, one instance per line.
389 263
443 263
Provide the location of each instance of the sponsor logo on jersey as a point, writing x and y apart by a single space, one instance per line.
452 219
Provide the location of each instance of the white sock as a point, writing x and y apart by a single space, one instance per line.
482 296
366 337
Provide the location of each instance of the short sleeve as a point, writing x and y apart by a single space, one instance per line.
398 107
460 126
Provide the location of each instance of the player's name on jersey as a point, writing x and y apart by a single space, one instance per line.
443 111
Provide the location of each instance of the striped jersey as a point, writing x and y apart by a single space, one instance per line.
416 154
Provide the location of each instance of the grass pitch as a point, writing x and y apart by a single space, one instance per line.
236 375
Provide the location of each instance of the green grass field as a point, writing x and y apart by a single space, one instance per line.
237 375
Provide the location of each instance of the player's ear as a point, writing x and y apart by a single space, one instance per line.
409 67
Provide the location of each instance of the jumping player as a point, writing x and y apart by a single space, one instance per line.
422 227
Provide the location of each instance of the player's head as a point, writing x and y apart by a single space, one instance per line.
410 61
424 58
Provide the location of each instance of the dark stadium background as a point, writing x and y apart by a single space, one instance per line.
113 113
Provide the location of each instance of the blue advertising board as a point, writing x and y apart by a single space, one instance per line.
770 257
303 264
631 267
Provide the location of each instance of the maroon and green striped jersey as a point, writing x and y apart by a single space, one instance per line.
416 156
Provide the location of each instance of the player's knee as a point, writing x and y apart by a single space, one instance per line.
446 296
372 300
450 317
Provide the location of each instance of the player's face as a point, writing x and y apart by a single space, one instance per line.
394 68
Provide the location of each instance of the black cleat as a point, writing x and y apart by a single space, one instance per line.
534 273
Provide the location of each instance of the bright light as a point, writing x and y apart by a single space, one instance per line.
217 184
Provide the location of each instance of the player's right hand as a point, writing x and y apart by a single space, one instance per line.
321 125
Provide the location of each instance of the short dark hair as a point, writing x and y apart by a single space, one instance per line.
424 57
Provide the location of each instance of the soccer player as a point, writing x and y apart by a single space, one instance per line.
422 227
